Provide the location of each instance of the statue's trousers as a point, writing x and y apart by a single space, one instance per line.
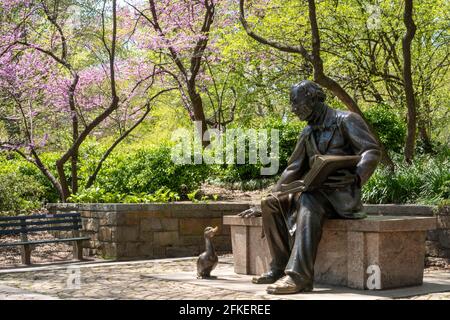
293 228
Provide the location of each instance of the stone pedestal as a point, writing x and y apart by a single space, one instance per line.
378 252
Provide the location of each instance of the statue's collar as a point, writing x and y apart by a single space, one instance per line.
324 118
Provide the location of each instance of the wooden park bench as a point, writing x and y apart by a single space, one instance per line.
23 225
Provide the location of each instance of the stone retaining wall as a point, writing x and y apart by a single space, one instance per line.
438 241
132 231
129 231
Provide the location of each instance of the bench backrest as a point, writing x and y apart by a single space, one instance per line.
36 223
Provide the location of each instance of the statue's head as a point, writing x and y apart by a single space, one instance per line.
306 97
210 232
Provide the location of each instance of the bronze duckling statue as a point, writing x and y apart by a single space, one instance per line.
208 260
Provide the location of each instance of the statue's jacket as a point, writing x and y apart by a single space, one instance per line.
337 133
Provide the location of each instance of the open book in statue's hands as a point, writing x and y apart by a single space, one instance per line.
327 170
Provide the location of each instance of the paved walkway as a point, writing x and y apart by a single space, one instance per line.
175 279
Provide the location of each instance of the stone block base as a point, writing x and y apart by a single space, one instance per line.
378 252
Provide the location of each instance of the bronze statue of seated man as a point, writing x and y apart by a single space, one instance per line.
292 222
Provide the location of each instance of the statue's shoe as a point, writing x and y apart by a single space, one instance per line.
268 277
287 285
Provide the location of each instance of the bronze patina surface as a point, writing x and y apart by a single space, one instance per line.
292 223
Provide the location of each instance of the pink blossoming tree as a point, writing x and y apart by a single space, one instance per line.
180 34
63 80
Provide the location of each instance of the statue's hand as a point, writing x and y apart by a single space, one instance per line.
249 213
342 178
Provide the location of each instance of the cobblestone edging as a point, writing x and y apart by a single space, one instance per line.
160 230
131 231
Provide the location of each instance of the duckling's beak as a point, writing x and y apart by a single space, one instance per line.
215 229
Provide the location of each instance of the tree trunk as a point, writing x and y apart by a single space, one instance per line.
199 114
425 138
65 192
408 82
74 117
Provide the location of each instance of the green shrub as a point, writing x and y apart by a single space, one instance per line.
19 191
49 159
241 173
289 134
389 126
426 181
245 185
99 195
145 171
